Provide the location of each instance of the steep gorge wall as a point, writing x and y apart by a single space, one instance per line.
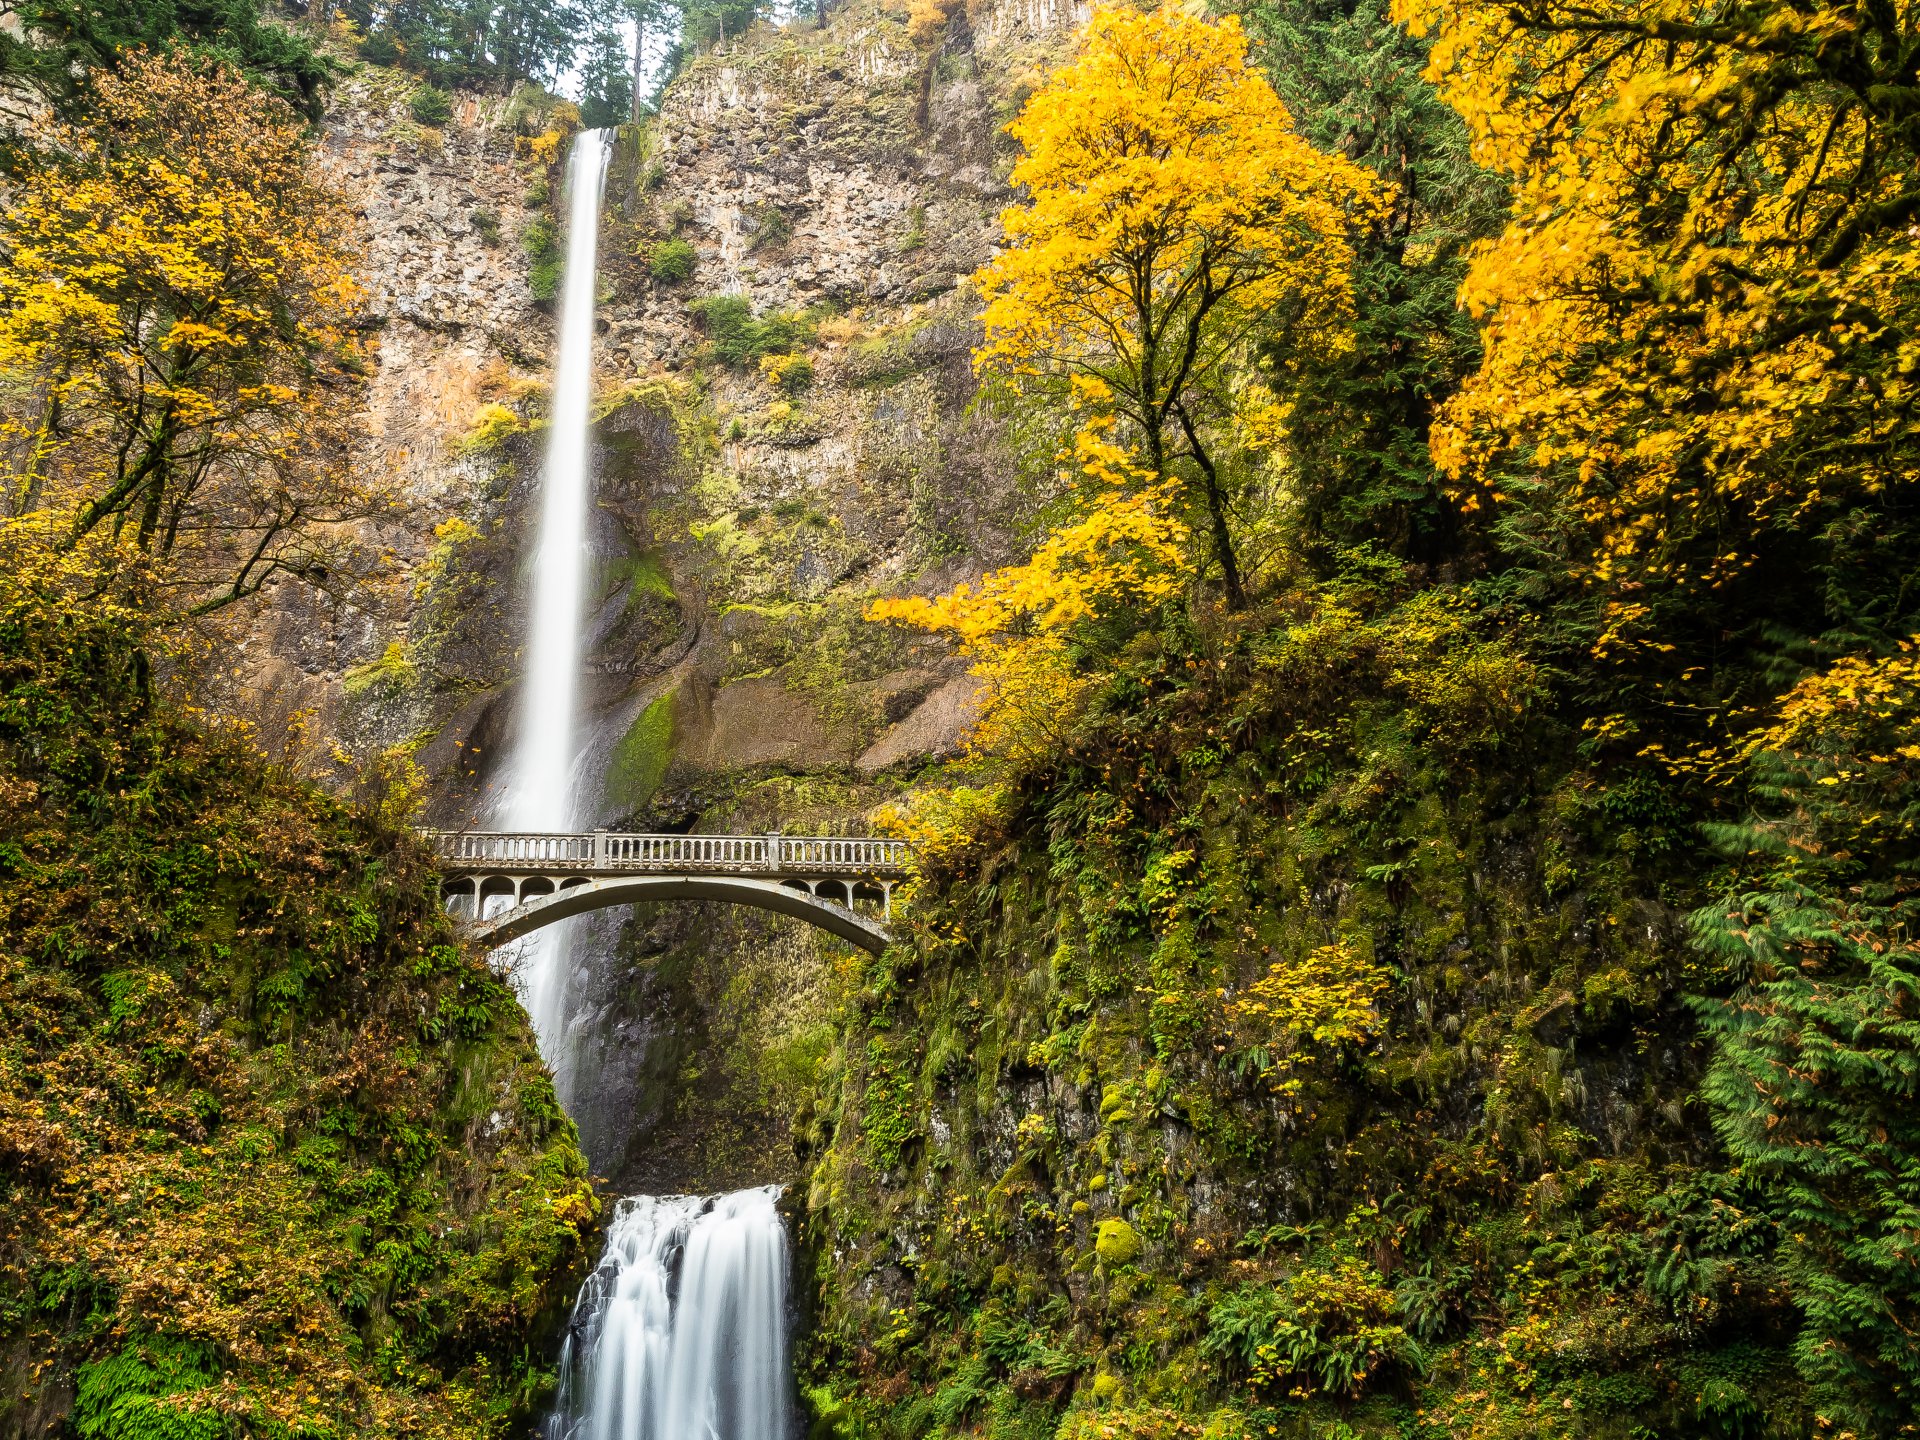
843 181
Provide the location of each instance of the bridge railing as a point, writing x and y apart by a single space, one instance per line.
614 850
466 848
802 852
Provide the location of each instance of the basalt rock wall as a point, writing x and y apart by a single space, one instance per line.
834 186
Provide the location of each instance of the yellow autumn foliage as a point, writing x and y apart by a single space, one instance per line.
1127 549
1172 208
1700 323
1324 1000
178 335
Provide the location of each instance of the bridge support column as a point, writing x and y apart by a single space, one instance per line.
773 850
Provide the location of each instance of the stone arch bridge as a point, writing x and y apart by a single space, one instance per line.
503 885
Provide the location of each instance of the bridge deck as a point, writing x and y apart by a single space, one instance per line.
477 852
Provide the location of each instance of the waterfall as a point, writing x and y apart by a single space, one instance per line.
680 1333
541 791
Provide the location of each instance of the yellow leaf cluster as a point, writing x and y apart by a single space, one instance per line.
1326 998
926 19
1853 703
1127 549
178 333
1699 322
1168 190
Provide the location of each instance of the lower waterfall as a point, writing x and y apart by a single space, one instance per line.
681 1331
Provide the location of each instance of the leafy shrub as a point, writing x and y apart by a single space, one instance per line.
739 337
486 224
1332 1328
542 242
493 425
431 106
789 374
125 1396
671 261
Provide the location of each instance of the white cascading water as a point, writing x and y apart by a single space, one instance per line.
681 1333
541 791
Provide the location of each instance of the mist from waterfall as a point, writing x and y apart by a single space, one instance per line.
542 793
681 1332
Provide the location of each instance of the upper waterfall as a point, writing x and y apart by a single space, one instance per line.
542 793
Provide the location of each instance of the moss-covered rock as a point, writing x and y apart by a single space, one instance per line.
1116 1242
1259 1053
277 1155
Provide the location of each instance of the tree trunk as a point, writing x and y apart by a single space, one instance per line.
150 471
36 476
1217 516
639 50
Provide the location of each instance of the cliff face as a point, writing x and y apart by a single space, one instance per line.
448 300
787 425
1115 1142
276 1155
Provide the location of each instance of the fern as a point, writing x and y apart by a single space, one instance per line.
1815 1083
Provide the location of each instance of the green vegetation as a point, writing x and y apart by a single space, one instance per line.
1508 1213
60 43
431 106
640 758
1462 984
541 241
789 374
471 43
276 1155
738 337
672 261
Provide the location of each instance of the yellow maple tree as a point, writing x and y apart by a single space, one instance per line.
1172 211
178 333
1128 548
1700 324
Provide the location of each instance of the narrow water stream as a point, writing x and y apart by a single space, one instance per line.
681 1331
542 785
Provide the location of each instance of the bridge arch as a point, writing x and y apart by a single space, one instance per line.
578 897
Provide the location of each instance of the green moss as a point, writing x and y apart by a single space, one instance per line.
1117 1243
391 672
1458 1227
639 760
292 1108
541 241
